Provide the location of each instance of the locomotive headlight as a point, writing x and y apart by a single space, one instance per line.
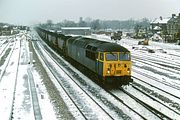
128 70
108 71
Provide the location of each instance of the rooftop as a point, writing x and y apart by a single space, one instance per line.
160 20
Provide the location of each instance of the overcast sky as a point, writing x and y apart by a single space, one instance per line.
32 11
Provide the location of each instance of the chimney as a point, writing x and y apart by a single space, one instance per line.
173 15
160 17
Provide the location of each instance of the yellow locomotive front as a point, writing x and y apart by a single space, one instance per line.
116 67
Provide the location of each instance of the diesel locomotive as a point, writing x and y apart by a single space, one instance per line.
110 62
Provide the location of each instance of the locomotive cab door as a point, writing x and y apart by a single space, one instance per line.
99 64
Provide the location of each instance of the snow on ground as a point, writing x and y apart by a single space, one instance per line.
23 108
7 84
168 53
91 88
23 102
102 37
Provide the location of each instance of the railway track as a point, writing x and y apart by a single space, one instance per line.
127 100
147 105
163 72
167 66
158 92
174 86
11 84
151 110
5 56
139 81
4 47
167 99
162 65
7 91
141 106
159 106
161 60
29 101
175 55
3 41
99 98
84 106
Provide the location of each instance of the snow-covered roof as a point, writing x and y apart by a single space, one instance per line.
161 20
157 28
5 26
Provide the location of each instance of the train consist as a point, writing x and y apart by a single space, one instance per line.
110 63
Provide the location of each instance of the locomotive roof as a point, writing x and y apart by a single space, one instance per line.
111 47
94 44
102 46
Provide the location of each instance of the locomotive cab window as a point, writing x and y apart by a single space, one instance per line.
111 56
124 56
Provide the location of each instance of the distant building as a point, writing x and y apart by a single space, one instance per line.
76 30
159 25
6 30
173 28
167 28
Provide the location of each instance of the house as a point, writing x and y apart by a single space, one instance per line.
167 28
159 25
173 28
